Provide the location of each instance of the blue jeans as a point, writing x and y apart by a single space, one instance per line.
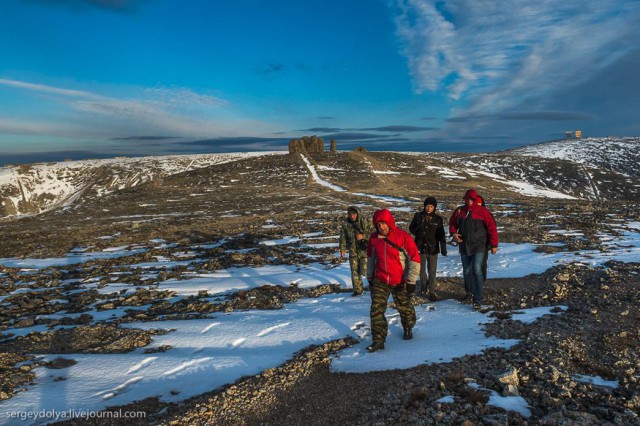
472 272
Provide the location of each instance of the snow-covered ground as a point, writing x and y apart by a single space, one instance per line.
317 178
528 189
512 260
209 353
70 259
592 151
521 187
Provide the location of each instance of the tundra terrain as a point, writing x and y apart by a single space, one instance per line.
189 217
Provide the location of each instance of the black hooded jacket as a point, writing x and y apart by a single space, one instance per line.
428 231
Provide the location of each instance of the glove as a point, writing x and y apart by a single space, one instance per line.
411 288
444 253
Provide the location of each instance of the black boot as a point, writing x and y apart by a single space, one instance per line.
375 346
408 334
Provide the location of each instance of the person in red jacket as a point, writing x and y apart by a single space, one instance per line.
473 228
393 264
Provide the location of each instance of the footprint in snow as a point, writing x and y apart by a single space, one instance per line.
270 329
209 327
191 365
140 365
358 325
238 342
110 393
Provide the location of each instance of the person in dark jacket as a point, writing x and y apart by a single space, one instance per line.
473 227
428 230
393 264
354 233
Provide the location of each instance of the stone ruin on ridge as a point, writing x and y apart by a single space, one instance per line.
306 145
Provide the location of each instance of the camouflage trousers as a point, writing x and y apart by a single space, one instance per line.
379 297
358 269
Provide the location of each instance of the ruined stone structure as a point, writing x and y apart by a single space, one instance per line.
306 145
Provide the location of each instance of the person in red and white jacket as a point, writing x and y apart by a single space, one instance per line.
393 264
473 228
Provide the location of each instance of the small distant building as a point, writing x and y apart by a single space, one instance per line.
573 135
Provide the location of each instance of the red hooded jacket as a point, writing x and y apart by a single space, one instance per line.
475 224
386 263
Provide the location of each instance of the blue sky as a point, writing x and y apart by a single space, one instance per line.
125 77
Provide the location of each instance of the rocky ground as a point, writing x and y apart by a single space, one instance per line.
594 336
230 204
598 335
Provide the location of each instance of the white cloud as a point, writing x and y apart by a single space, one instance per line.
43 88
496 53
183 96
429 43
175 111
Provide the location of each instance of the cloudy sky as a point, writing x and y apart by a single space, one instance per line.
136 77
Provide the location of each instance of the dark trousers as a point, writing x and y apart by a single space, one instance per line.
379 297
428 262
472 272
484 263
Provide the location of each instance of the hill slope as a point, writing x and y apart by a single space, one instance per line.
32 189
592 169
620 155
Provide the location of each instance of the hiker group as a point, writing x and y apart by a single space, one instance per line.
392 261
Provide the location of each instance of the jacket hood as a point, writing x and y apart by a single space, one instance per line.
353 209
385 216
470 194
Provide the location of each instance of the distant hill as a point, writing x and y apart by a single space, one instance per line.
593 168
36 188
620 155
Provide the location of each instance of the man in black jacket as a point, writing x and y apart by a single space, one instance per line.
428 230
